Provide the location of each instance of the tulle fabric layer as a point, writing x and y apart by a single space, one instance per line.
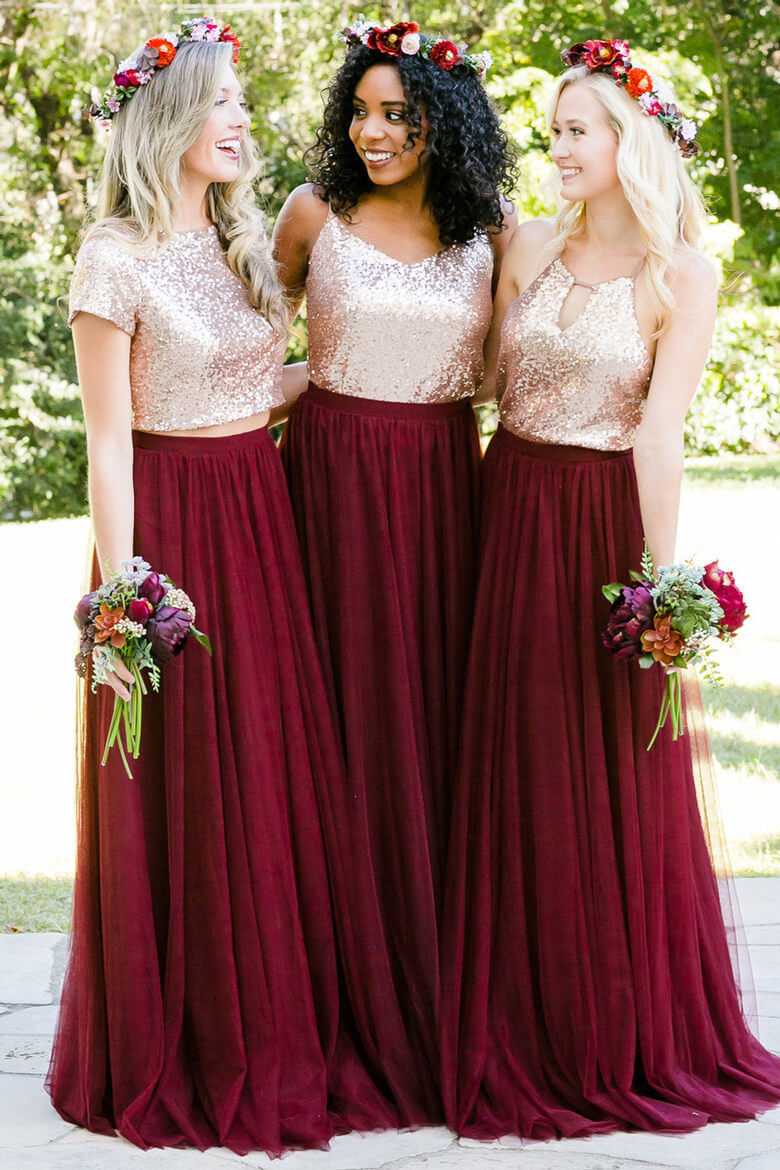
385 501
201 998
587 983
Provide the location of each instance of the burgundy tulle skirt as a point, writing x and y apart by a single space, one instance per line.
587 982
201 999
385 502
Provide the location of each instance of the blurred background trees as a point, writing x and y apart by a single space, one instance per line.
723 60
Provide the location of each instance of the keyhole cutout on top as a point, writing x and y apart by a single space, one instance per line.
575 303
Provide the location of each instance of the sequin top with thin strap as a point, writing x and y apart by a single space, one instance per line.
200 354
581 386
383 329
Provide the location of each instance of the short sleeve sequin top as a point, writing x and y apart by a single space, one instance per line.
200 354
582 386
383 329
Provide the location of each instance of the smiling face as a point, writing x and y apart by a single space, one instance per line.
215 156
584 146
378 129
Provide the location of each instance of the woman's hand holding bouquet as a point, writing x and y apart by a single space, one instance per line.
670 617
132 624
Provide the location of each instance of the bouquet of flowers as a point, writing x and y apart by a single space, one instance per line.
142 619
670 617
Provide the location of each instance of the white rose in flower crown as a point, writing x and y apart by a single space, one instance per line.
663 92
410 44
688 129
486 60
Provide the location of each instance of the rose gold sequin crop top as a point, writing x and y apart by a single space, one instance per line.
200 354
582 386
383 329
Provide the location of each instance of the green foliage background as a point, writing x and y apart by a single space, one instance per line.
722 58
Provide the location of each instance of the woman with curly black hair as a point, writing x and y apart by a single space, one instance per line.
395 245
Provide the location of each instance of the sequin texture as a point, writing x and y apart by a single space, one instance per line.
582 386
383 329
200 354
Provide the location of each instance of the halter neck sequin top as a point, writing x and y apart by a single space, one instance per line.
383 329
200 355
582 386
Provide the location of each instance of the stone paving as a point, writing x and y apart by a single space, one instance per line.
33 1135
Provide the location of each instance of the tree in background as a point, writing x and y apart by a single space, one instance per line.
723 60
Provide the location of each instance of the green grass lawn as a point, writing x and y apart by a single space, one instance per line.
730 510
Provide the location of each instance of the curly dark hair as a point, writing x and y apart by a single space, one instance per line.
471 160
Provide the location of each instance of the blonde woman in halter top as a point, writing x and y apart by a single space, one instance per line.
200 1004
395 247
587 982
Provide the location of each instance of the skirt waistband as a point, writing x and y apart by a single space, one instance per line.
380 408
554 452
201 445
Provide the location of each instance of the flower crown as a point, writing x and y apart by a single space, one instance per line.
406 40
139 69
655 98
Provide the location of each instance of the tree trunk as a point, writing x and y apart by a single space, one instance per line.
725 98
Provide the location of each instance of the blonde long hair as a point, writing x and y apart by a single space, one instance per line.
666 203
140 184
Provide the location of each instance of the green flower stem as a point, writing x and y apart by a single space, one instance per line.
113 728
671 705
113 737
122 753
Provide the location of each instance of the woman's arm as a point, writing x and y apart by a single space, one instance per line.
295 234
501 240
520 266
103 358
300 222
295 379
679 361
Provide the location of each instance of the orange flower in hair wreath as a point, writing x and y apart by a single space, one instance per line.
638 81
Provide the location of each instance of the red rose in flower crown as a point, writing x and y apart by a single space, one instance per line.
600 53
638 81
127 79
445 55
730 598
388 40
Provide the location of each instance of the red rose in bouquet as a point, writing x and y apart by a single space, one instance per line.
721 583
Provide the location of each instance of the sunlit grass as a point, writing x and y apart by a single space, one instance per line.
35 902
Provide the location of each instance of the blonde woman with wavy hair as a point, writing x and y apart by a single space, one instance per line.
587 982
200 1002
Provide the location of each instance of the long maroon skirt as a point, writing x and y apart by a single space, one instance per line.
385 502
201 998
587 982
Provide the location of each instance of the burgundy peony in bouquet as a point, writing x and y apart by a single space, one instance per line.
140 617
670 617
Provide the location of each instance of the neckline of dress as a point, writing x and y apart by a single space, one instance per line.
385 255
564 331
203 232
599 283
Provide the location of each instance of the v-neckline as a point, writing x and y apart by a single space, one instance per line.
386 255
